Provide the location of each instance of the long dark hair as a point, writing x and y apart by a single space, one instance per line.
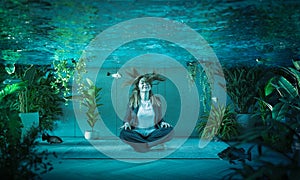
135 98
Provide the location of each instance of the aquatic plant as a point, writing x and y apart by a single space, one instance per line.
49 102
287 89
19 157
279 131
25 97
205 90
90 99
242 86
192 68
80 70
284 163
67 71
11 88
281 103
10 56
64 71
219 116
36 94
204 77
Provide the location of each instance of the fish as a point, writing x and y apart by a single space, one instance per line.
265 61
114 75
11 81
51 139
214 99
233 154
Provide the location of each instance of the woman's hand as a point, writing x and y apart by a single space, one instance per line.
165 125
126 126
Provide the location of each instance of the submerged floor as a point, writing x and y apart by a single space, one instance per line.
79 159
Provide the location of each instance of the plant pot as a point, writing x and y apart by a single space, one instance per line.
244 120
29 120
91 135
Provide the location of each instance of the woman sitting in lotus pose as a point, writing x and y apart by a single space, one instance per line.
144 126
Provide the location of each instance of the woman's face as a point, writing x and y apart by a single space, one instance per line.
144 85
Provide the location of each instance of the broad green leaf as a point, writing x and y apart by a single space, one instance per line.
296 64
296 74
279 111
288 87
269 88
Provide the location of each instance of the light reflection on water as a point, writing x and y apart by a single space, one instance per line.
238 31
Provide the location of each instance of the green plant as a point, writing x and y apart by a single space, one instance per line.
11 88
242 86
80 70
47 99
37 95
90 99
10 56
287 90
220 121
192 67
282 165
25 96
20 158
205 89
279 130
64 71
280 102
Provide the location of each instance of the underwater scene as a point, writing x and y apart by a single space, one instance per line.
144 81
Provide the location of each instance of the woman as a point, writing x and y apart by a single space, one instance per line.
143 124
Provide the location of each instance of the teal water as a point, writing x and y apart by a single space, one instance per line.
238 31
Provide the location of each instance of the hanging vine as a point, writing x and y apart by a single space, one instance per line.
64 71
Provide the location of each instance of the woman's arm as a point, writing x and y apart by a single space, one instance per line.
161 123
126 125
128 115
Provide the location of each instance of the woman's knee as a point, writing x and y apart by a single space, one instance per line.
124 134
168 130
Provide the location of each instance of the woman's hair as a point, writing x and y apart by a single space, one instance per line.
134 99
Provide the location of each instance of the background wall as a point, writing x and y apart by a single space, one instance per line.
72 125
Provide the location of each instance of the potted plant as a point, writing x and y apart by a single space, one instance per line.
27 107
243 84
220 122
11 88
287 92
278 131
284 87
37 98
49 102
90 99
20 158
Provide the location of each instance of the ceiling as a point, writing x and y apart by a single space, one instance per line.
247 32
